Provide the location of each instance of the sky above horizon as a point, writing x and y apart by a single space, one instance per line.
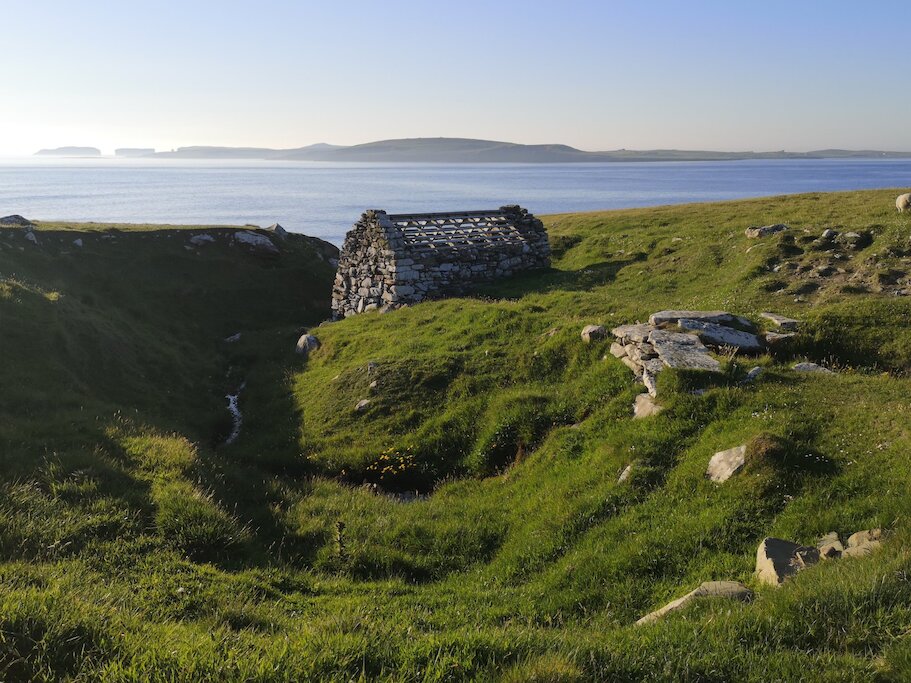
597 75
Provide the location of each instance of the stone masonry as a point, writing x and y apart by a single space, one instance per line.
389 260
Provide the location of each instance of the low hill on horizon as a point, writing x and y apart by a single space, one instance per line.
69 152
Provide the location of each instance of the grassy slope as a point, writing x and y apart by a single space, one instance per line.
134 550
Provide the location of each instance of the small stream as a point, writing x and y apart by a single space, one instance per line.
237 417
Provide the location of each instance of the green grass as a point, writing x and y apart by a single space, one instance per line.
134 547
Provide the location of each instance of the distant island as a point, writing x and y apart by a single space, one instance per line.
464 150
69 152
132 152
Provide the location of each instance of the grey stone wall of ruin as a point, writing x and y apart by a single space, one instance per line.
383 266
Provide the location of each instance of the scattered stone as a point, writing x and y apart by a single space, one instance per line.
234 338
830 548
679 350
199 240
773 338
362 405
645 406
16 221
256 243
592 333
306 343
855 240
777 559
719 335
753 374
625 474
828 234
617 350
31 237
811 367
754 232
372 386
784 324
632 334
731 590
78 242
725 464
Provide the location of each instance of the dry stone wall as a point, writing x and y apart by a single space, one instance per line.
391 260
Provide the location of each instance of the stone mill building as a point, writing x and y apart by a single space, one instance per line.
389 260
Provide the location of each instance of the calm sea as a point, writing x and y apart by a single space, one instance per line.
324 199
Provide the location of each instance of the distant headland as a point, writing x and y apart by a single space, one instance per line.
69 152
464 150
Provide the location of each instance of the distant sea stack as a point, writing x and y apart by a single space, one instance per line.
69 152
132 152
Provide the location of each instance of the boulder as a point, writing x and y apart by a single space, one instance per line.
725 464
754 232
830 548
773 338
719 335
679 350
811 367
731 590
753 374
781 322
592 333
77 242
645 406
632 334
777 559
31 237
16 221
256 243
362 405
306 343
625 474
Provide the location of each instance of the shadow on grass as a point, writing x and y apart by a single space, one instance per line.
552 280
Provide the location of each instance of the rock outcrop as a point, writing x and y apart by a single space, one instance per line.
16 221
256 243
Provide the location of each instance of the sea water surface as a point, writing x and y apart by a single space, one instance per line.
324 199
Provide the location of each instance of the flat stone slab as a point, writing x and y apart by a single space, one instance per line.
754 232
777 559
783 323
679 350
719 335
772 338
635 334
617 350
731 590
672 317
725 464
811 367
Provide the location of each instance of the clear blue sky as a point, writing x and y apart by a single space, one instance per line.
598 75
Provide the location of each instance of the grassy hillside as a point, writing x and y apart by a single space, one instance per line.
469 523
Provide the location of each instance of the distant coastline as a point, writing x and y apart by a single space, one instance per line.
463 150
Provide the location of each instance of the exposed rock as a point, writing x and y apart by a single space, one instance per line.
725 464
199 240
635 334
16 221
306 343
645 406
256 243
650 380
31 237
679 350
373 385
278 231
362 405
233 338
784 324
753 374
777 559
719 317
855 240
828 234
732 590
617 350
754 232
592 333
719 335
77 242
632 365
830 548
863 542
372 367
811 367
